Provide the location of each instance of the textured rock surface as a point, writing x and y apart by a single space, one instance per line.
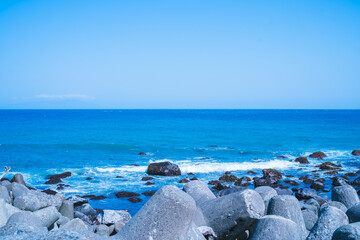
167 215
232 214
114 216
24 217
330 219
310 219
67 209
266 193
199 191
353 213
273 227
47 216
347 232
163 169
347 195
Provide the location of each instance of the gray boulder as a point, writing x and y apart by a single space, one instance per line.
67 209
163 169
118 226
288 207
25 217
114 216
19 190
266 193
199 191
77 201
347 232
345 194
167 215
104 230
273 227
28 202
336 204
48 216
76 225
62 220
229 190
310 218
4 194
230 215
22 231
86 209
18 178
3 213
194 233
83 217
330 219
353 213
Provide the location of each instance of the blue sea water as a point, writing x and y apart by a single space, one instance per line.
102 144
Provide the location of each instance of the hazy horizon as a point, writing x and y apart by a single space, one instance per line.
179 55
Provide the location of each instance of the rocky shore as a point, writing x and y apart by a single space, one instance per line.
232 207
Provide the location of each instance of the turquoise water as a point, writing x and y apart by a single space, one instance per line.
102 144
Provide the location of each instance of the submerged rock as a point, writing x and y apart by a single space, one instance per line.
163 169
303 160
356 152
318 155
270 172
228 178
126 194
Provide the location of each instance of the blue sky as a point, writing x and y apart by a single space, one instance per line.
179 54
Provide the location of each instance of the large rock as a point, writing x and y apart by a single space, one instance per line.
67 209
4 194
346 195
28 202
288 207
273 227
330 219
18 178
194 233
229 216
19 189
114 216
86 209
48 216
266 193
303 160
199 191
163 169
25 217
318 155
167 215
310 218
229 191
353 213
336 204
24 231
266 181
347 232
356 152
270 172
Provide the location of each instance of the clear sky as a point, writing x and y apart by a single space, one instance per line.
179 54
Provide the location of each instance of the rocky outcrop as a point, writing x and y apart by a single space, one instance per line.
318 155
163 169
356 152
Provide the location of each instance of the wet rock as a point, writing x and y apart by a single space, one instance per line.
48 216
266 193
101 197
305 194
126 194
77 201
86 209
228 178
288 207
243 181
229 191
272 173
147 178
351 174
141 154
291 182
199 191
163 169
229 216
173 210
289 176
345 194
266 181
190 173
251 172
213 182
184 180
330 219
328 166
356 182
88 178
302 160
310 218
67 209
56 178
353 213
275 228
281 157
119 177
148 193
114 216
50 192
149 183
356 152
318 186
318 155
221 185
347 232
332 173
339 181
134 199
283 191
18 178
194 178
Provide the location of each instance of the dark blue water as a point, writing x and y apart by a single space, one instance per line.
102 144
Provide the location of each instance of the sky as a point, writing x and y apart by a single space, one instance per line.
180 54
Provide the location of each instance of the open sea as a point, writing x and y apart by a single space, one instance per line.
102 144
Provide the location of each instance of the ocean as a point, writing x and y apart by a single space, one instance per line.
103 144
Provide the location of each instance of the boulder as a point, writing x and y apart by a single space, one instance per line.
86 209
77 201
23 231
328 166
114 216
229 191
356 182
310 218
345 194
229 216
221 185
339 181
347 232
18 178
103 230
336 204
67 209
167 215
288 207
228 178
76 225
25 217
356 152
273 227
302 160
243 181
28 202
62 221
353 213
285 191
270 172
4 194
318 155
199 191
126 194
19 190
48 216
266 181
305 194
329 220
118 226
194 233
83 217
317 185
266 193
163 169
